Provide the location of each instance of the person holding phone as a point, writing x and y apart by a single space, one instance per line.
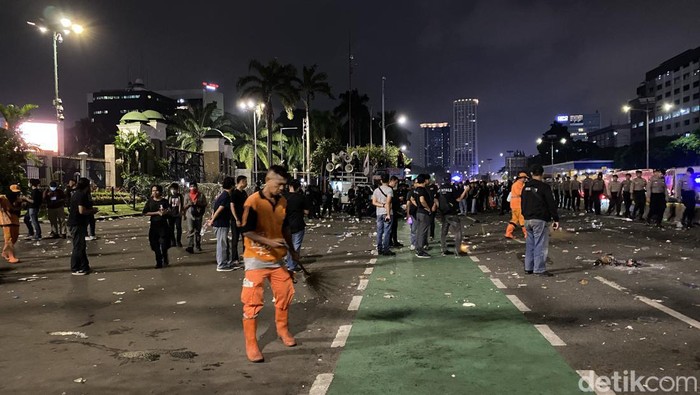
538 208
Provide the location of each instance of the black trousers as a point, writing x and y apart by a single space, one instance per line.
627 197
615 204
640 201
393 237
557 199
451 222
159 239
587 204
432 225
595 201
78 258
236 234
576 200
689 203
567 200
657 206
175 225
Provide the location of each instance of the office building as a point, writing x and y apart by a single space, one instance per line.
191 98
580 125
464 137
515 162
675 82
610 136
436 145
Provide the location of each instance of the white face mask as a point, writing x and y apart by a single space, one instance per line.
172 191
52 189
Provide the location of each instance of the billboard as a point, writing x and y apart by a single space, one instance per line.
41 134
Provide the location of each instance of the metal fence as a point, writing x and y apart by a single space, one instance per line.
63 168
185 164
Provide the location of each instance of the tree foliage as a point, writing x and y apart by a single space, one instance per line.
188 126
13 149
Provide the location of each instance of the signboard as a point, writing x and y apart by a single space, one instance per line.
41 134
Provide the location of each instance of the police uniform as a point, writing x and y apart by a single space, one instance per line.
597 189
566 185
586 184
657 199
556 188
639 185
614 192
687 188
627 195
575 192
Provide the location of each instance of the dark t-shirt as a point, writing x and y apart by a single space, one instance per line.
447 199
296 204
417 193
238 198
412 208
79 198
38 198
224 218
155 205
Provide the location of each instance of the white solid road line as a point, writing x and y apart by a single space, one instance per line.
321 384
369 270
475 259
355 303
656 305
611 284
498 283
591 378
518 303
669 311
373 261
363 284
551 337
484 269
342 336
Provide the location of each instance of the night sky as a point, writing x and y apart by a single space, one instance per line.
526 61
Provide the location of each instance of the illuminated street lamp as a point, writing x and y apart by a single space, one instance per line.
256 108
628 109
60 28
551 139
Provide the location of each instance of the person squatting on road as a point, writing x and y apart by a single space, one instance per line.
195 206
538 208
266 237
78 220
10 210
449 197
687 187
516 218
381 199
159 234
175 218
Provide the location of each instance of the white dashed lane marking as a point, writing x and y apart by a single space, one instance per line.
551 337
363 284
498 283
369 270
475 259
342 336
484 269
518 303
321 384
355 303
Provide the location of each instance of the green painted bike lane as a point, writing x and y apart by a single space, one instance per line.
413 335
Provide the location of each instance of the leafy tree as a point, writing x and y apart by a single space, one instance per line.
690 144
267 82
132 149
242 138
189 126
88 137
13 148
359 119
324 149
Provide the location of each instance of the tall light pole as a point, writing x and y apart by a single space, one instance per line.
383 121
551 139
251 105
628 109
59 28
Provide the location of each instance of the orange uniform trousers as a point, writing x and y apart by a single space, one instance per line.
252 291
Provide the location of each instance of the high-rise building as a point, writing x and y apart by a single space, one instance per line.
436 145
198 98
463 140
579 125
675 82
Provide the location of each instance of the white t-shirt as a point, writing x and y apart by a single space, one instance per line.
381 195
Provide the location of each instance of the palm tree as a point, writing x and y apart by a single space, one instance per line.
189 126
241 135
266 82
310 84
360 114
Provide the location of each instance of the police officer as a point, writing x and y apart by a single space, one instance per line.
575 192
597 189
627 193
556 188
639 186
657 197
586 185
565 187
614 192
687 187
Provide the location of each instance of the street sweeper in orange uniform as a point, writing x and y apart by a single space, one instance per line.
516 218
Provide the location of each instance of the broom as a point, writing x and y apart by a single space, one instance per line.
316 281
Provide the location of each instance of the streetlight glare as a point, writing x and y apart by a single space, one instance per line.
241 105
77 29
65 22
539 141
251 104
626 108
403 148
402 120
668 107
563 140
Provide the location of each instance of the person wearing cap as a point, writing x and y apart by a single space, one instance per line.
638 187
687 187
10 209
614 192
55 205
657 197
597 189
538 208
516 218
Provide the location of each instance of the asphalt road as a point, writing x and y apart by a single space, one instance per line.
178 330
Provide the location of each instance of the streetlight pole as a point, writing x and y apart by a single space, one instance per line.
383 120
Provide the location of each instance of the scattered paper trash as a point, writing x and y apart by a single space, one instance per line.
79 380
182 302
69 333
468 304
